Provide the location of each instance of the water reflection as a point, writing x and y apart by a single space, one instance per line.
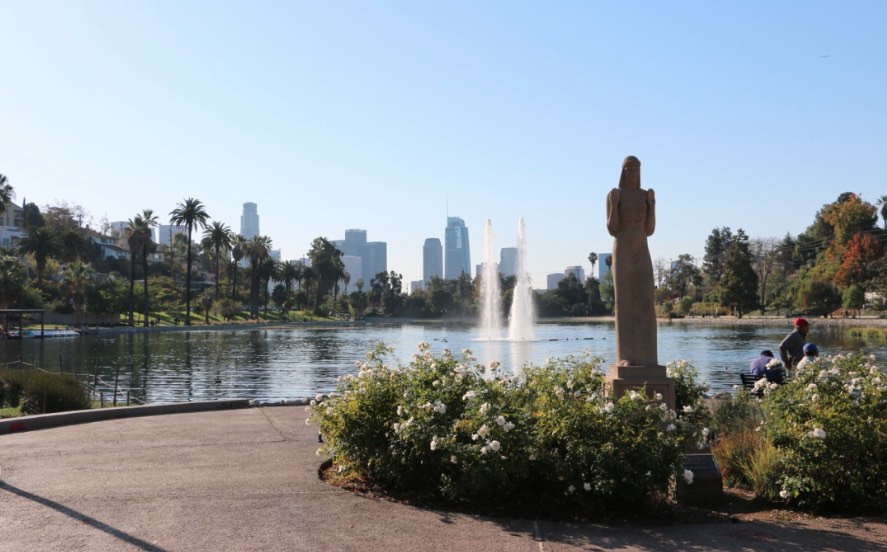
299 362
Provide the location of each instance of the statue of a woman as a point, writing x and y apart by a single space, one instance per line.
631 217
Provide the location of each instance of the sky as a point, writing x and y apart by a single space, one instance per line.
390 116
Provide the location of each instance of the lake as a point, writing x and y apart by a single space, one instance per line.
295 362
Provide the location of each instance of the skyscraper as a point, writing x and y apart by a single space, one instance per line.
432 259
457 254
373 255
249 221
508 261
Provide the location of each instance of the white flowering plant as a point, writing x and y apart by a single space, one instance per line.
829 426
446 428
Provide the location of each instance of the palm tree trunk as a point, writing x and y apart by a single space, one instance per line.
145 288
132 285
188 282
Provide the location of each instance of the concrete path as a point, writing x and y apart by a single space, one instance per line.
246 479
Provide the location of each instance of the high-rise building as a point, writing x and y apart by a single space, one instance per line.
249 221
432 259
373 255
166 232
554 279
457 253
508 261
576 271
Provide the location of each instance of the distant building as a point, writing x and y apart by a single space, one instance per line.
508 261
553 280
373 255
166 233
576 271
457 250
417 285
11 224
108 246
432 259
603 267
354 268
249 221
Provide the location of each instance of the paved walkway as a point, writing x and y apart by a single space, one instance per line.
246 479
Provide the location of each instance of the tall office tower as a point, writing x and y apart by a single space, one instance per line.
373 255
576 271
457 255
249 221
602 266
432 259
375 259
553 280
166 232
508 261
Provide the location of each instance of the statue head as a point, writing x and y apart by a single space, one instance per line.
631 174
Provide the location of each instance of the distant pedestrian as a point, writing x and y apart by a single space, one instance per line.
759 365
811 355
791 350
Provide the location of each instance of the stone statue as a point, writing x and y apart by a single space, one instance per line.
631 217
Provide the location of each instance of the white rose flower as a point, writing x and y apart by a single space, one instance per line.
495 446
688 477
500 421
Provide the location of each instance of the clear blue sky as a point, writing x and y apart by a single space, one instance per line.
387 115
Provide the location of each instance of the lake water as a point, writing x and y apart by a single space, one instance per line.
296 362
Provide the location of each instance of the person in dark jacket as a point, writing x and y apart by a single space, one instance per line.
791 350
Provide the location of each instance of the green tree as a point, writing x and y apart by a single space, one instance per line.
75 280
738 287
682 275
765 259
853 298
326 261
41 242
217 239
592 258
12 280
717 246
6 193
257 250
189 213
146 223
238 250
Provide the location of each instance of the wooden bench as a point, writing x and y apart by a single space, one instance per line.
748 382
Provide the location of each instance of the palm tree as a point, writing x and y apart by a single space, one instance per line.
881 202
189 213
288 273
217 238
75 279
12 280
238 243
257 249
41 242
6 193
149 221
134 239
592 258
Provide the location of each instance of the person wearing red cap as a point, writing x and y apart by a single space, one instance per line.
791 350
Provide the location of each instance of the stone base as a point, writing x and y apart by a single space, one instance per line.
707 486
653 378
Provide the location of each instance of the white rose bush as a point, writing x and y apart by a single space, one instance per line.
829 428
448 430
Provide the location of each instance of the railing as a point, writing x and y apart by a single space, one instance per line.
99 389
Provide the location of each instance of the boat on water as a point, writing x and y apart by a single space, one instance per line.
13 334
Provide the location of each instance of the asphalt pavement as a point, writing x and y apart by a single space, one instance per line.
247 479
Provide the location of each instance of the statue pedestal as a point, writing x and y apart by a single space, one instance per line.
653 378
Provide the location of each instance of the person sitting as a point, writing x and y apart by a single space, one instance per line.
774 371
811 354
759 365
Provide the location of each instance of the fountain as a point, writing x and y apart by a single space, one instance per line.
520 324
491 302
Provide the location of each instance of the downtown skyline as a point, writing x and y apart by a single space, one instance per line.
392 118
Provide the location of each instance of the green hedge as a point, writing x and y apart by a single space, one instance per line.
39 392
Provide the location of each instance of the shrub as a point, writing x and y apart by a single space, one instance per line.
829 424
38 392
447 429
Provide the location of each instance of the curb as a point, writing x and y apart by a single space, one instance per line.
44 421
